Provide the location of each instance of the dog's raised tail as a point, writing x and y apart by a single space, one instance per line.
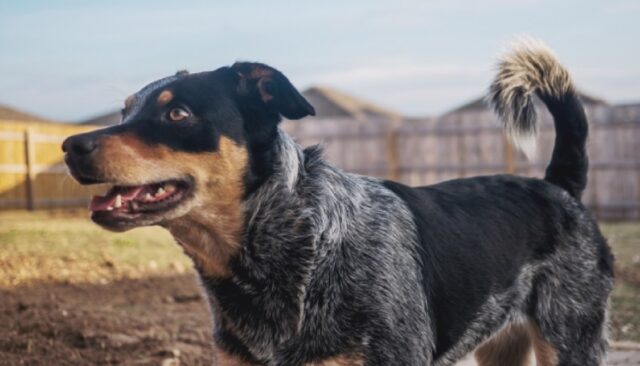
531 68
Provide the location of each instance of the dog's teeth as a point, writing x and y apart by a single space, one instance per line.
160 191
110 208
118 202
148 197
169 187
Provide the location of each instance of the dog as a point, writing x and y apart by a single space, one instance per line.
305 264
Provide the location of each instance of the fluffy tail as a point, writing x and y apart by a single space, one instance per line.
532 68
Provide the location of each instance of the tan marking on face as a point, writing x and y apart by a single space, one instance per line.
264 95
210 228
165 97
342 360
259 73
129 102
224 358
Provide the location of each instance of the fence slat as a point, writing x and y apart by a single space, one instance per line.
29 148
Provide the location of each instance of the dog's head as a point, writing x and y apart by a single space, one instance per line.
186 142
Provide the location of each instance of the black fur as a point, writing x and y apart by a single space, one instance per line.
569 163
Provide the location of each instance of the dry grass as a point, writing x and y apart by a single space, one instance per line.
69 248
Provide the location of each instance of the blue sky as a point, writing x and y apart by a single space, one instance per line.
69 59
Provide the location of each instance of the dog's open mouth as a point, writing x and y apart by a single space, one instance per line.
124 203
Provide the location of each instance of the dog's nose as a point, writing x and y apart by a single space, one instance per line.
80 144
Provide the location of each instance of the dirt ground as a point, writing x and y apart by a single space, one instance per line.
73 294
151 321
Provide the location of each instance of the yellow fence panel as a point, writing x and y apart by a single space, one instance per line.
32 170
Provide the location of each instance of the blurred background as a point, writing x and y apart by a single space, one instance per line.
397 87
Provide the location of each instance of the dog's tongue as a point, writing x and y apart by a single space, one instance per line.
102 203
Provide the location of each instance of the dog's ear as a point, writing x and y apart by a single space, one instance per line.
273 89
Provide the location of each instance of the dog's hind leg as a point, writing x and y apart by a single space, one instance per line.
569 311
511 346
573 340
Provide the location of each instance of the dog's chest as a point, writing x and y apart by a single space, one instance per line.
261 315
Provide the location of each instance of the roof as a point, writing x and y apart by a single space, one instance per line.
108 119
332 103
9 113
628 105
480 103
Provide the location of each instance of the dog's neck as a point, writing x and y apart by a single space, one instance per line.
211 239
287 167
212 234
270 255
294 221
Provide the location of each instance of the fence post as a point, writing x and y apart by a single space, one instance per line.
509 156
29 149
462 148
392 153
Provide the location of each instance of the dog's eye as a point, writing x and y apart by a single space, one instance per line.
178 114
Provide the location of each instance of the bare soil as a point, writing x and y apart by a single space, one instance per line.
151 321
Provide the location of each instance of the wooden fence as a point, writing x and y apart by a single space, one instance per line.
416 152
464 144
32 171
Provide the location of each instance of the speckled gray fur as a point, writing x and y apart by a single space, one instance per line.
335 222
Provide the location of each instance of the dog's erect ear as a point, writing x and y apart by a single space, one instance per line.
273 88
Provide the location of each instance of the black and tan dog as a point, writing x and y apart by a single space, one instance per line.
304 264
